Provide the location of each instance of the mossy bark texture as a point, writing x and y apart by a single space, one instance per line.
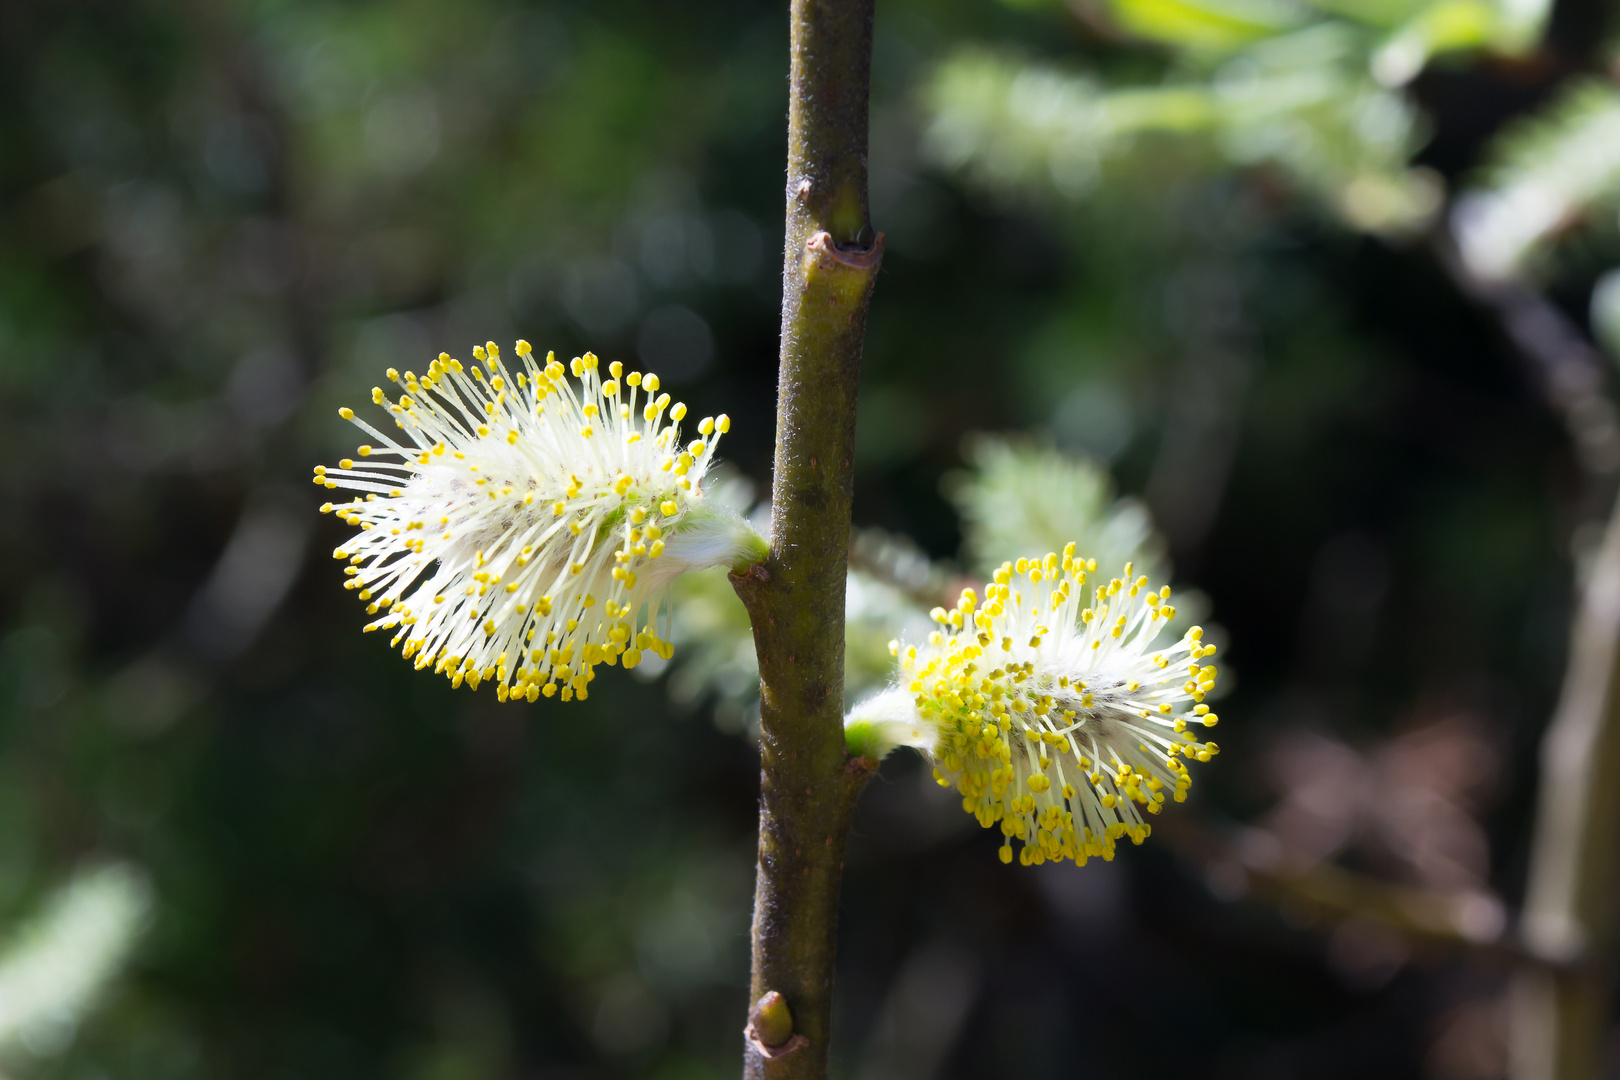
795 599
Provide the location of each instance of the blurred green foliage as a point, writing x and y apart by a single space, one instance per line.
1304 104
1549 175
1022 498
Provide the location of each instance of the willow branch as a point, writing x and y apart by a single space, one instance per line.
1454 921
795 599
899 564
1568 370
1560 1016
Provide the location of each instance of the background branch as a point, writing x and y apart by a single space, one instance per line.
1560 1016
1569 370
899 563
1244 862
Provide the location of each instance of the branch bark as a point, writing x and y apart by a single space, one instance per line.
1561 1013
1570 372
900 564
795 599
1462 922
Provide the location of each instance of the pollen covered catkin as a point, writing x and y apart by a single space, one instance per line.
524 527
1055 715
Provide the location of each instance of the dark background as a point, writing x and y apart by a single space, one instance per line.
218 222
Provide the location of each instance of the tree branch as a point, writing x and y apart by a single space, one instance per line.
900 564
1570 372
795 600
1561 1016
1472 923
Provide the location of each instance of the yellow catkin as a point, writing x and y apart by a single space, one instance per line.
495 539
1053 712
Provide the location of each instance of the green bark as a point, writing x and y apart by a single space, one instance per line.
795 599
